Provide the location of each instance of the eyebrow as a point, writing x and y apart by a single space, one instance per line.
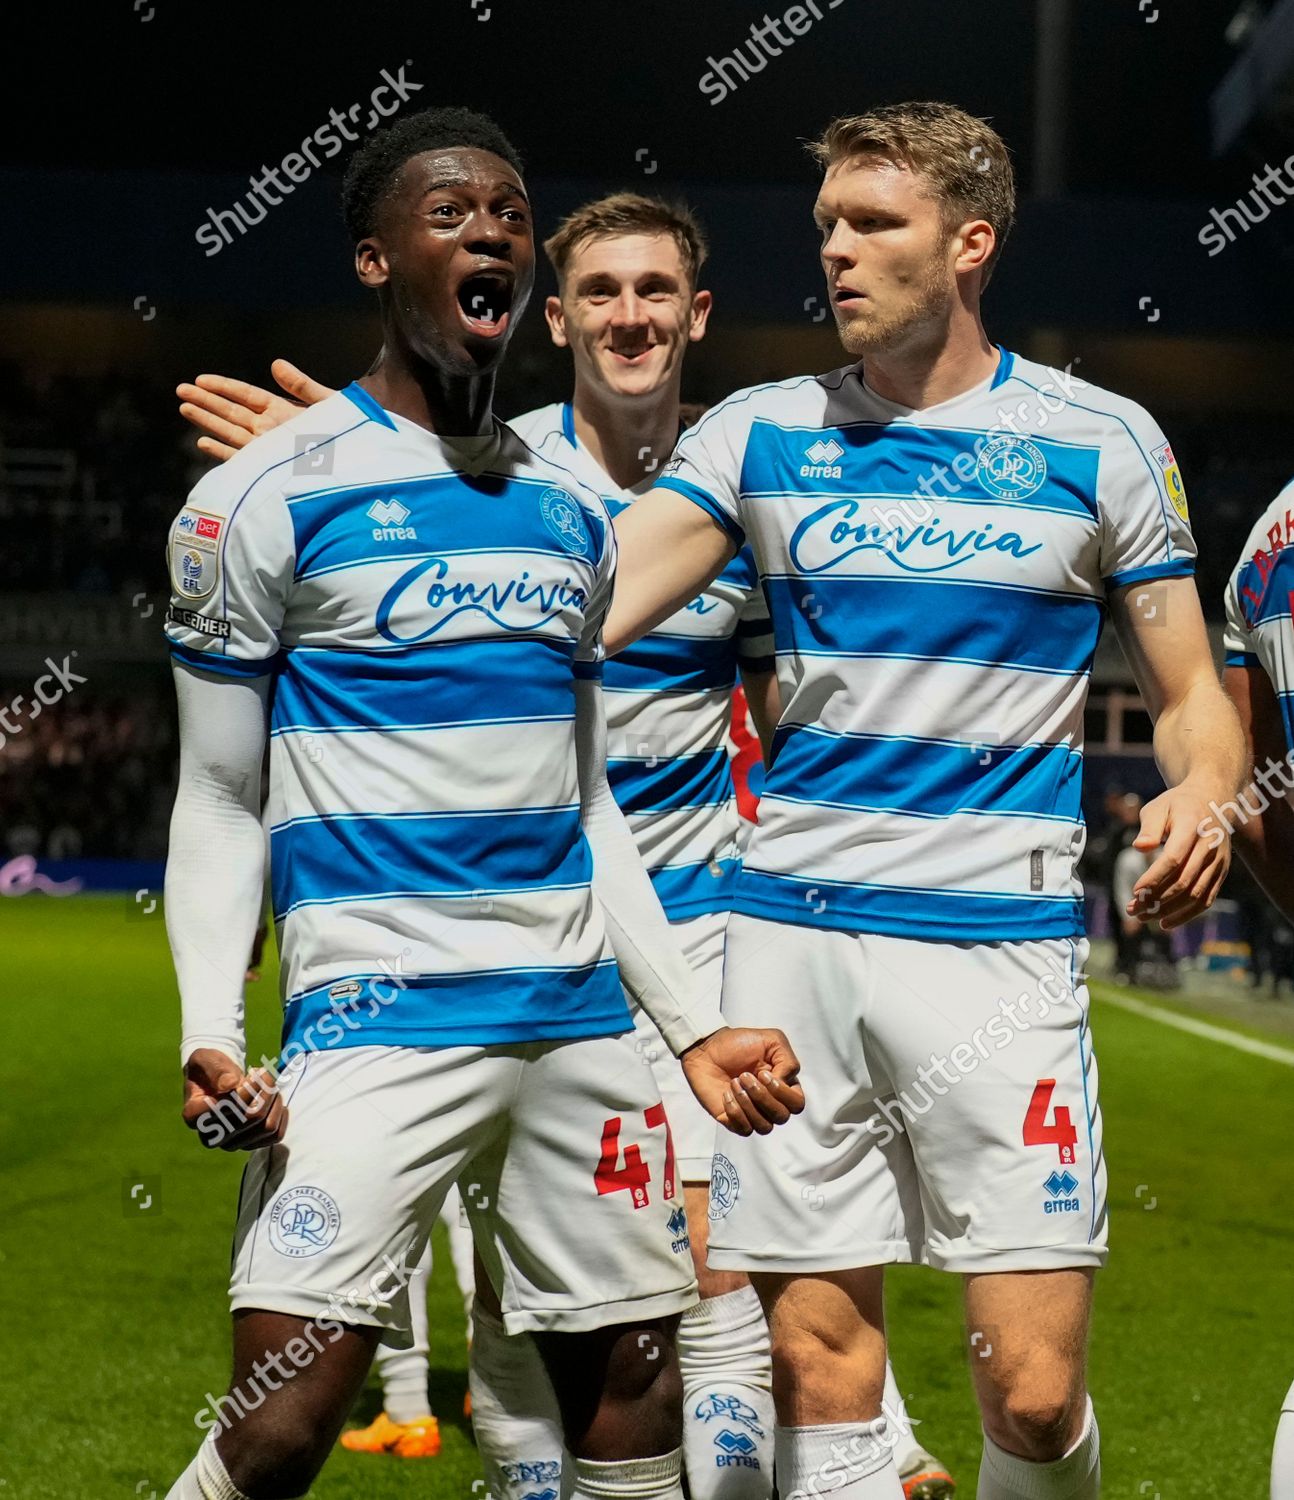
514 188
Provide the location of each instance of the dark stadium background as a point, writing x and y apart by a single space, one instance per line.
1129 121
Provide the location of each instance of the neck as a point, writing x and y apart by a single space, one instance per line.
934 364
447 404
630 436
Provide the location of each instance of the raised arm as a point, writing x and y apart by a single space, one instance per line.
669 550
1198 745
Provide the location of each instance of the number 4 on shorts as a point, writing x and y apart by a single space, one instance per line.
634 1176
1060 1133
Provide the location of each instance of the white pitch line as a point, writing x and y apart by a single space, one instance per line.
1202 1028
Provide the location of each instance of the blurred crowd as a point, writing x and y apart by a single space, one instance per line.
90 779
92 469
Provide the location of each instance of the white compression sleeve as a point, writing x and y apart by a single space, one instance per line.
651 962
215 868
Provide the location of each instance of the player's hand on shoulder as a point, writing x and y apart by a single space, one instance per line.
1184 879
746 1078
229 1108
230 413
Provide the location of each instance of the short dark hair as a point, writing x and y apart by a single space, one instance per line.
373 169
629 213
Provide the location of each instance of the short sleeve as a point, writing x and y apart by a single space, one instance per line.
231 556
589 651
707 463
1237 643
754 626
1144 525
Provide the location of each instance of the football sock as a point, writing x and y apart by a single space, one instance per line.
852 1460
403 1372
630 1478
900 1424
515 1416
1076 1476
1283 1451
205 1478
728 1421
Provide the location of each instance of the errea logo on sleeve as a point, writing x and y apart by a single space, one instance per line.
822 460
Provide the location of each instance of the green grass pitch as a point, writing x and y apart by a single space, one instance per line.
114 1318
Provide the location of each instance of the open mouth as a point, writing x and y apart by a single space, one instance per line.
485 301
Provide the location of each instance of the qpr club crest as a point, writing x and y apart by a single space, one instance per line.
563 517
303 1221
725 1186
1010 467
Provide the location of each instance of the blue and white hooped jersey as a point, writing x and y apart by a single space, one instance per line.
669 704
936 580
425 607
1260 602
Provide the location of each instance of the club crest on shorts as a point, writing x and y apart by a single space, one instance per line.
1011 467
563 517
303 1221
725 1186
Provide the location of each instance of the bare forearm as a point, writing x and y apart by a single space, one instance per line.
1199 740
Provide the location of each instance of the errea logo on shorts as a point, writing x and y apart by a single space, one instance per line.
390 516
1061 1187
303 1221
822 460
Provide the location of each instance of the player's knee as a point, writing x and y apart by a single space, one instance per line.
273 1460
1036 1416
643 1370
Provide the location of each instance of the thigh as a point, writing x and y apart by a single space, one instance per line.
333 1220
994 1076
579 1212
834 1188
701 939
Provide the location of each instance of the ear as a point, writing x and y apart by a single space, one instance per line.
556 321
974 244
702 305
370 263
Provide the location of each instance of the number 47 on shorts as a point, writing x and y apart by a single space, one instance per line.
634 1176
1060 1133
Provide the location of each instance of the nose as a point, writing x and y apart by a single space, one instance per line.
836 247
629 310
486 234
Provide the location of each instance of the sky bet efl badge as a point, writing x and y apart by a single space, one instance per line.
1172 479
195 556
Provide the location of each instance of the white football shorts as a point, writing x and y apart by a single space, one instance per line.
562 1155
951 1109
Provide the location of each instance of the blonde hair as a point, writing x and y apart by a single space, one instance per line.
629 213
963 158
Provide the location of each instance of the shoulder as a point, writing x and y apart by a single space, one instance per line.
1072 404
275 462
790 401
537 426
